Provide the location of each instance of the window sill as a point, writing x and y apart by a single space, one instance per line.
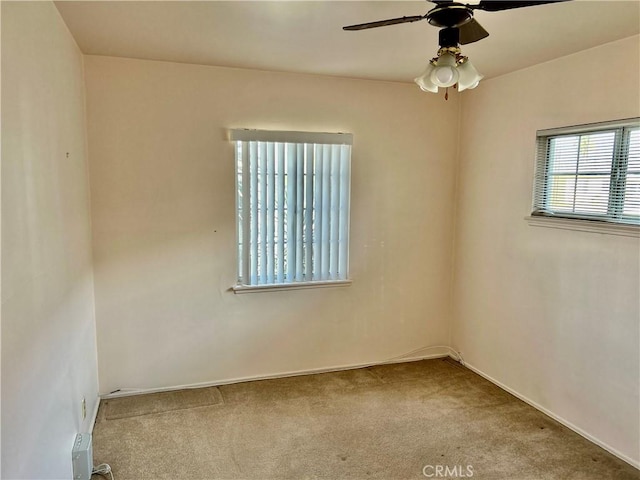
289 286
585 226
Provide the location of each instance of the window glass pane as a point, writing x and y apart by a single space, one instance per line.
592 194
596 152
562 192
632 187
632 195
634 151
563 154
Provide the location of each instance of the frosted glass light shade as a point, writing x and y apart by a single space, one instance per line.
445 73
469 76
424 80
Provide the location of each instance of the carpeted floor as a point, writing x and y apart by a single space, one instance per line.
403 421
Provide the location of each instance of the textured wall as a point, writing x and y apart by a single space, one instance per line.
163 204
552 314
48 320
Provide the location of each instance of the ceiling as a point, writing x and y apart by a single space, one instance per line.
307 37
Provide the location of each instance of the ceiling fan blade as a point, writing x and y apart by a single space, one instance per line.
384 23
471 32
498 5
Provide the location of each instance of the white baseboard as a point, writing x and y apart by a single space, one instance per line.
409 357
566 423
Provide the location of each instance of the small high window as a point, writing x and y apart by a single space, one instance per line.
292 204
589 172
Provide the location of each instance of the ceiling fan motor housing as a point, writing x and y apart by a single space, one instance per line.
448 37
450 15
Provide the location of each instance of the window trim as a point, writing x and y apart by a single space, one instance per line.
250 135
614 215
271 287
589 127
306 140
582 225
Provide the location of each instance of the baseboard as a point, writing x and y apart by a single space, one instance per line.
566 423
409 357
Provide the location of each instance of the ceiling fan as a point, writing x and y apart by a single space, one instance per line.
457 27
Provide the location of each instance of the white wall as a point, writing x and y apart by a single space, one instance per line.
48 322
552 314
162 177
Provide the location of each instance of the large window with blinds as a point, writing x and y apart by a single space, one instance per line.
589 172
292 205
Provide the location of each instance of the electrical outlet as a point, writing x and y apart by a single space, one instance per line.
84 408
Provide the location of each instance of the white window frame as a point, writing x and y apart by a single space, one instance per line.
284 240
614 221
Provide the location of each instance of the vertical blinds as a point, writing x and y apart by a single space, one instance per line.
591 172
292 206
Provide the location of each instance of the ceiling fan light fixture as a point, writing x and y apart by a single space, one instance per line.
447 69
468 75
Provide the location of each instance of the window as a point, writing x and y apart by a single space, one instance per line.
292 204
589 172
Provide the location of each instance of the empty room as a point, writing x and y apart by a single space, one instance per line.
320 239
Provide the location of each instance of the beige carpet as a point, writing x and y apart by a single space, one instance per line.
385 422
135 406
